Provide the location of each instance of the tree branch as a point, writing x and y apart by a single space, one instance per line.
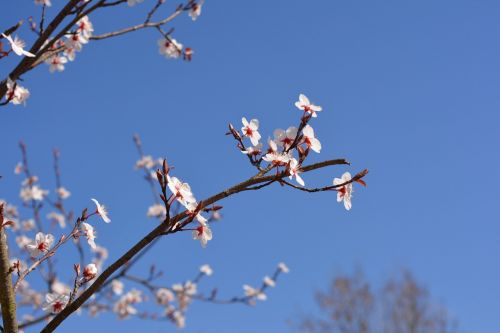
7 297
164 227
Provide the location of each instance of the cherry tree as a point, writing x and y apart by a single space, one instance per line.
31 242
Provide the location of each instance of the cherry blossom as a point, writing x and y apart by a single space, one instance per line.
76 41
58 218
254 293
164 296
195 10
269 282
181 191
22 241
145 162
60 288
123 308
33 193
16 94
89 233
43 2
310 140
28 225
250 130
55 303
19 168
285 138
117 287
304 104
56 63
85 27
132 3
294 170
70 53
273 147
170 48
277 158
253 151
344 193
90 272
17 46
157 210
191 207
101 210
41 244
203 234
283 267
63 193
206 269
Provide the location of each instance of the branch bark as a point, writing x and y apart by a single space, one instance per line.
7 297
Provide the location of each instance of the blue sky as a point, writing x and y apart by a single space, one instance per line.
409 91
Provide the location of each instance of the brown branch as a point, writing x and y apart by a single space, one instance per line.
12 29
7 296
147 24
357 177
60 317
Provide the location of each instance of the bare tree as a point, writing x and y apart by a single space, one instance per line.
402 306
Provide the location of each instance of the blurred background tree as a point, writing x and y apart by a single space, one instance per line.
402 305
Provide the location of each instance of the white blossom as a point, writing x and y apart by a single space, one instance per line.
254 150
157 210
203 234
164 296
63 193
85 27
195 10
285 138
181 191
169 47
269 282
117 287
56 63
101 210
43 2
283 267
254 293
55 303
41 244
310 140
33 193
90 272
294 170
304 104
88 231
250 130
58 218
16 94
132 3
17 46
344 193
206 269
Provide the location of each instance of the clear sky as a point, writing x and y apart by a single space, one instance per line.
409 90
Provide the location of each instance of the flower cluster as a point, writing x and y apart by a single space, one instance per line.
289 148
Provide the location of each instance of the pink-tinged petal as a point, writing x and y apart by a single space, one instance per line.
316 108
308 131
298 105
303 99
254 124
315 145
347 203
299 180
244 121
